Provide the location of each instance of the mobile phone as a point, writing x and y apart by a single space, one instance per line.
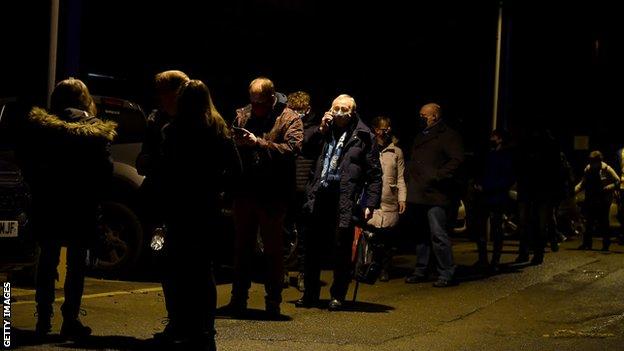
239 130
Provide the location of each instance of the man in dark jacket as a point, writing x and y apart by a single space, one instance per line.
68 166
432 190
269 136
347 171
167 85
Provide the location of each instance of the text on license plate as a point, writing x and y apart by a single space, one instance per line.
8 229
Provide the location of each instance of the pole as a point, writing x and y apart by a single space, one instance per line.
54 18
499 34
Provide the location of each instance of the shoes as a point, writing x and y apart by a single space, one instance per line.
554 246
414 278
444 283
272 309
384 276
335 305
494 268
44 321
235 308
537 259
300 282
172 334
73 329
522 258
605 248
306 302
584 247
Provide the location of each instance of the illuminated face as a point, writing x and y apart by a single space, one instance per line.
342 110
428 113
382 131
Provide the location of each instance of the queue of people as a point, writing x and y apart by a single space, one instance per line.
286 171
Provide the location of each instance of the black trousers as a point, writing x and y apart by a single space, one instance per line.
188 282
324 235
74 280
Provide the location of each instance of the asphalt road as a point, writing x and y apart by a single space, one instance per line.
574 301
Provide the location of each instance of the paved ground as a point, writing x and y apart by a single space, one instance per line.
574 301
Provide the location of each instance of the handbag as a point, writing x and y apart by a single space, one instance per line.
367 269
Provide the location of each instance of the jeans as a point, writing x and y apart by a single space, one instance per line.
433 236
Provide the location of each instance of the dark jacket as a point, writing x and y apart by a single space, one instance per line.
436 156
305 161
197 166
360 174
269 167
498 176
538 168
68 166
151 152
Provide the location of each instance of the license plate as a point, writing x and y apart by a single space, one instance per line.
8 229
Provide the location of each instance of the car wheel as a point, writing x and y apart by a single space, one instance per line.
122 240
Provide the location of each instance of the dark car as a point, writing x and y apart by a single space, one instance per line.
18 249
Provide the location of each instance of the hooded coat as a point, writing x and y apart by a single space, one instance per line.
67 163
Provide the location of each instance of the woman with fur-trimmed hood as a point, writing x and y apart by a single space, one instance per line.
68 166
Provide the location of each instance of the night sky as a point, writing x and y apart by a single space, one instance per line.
392 56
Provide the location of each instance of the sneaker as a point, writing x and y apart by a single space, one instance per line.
335 305
74 330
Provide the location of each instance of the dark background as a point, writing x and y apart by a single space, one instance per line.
561 62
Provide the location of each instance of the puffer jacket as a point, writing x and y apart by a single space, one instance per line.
67 163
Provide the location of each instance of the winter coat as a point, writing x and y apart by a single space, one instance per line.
68 166
436 156
269 166
197 166
360 174
394 189
304 163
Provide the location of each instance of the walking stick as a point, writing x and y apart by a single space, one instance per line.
355 291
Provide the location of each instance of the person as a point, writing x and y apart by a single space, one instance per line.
540 182
347 169
393 193
493 187
68 166
599 181
299 102
436 156
167 84
199 162
620 195
269 136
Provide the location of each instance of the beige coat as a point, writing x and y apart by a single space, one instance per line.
394 188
